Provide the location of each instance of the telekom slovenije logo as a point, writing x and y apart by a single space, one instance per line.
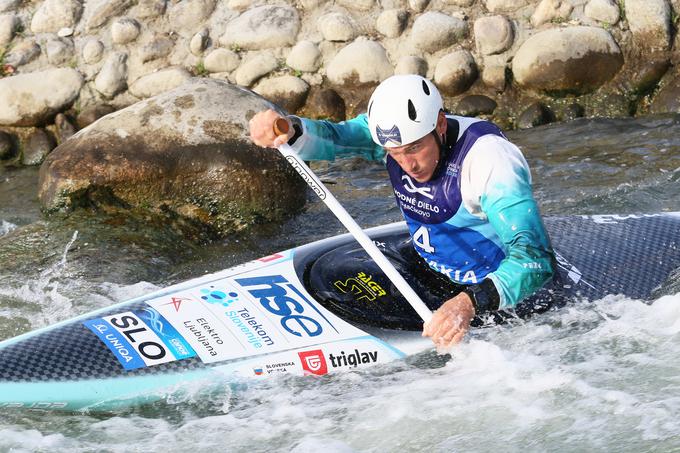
313 362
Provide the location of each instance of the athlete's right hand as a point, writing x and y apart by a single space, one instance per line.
262 130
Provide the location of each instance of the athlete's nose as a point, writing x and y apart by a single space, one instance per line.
410 164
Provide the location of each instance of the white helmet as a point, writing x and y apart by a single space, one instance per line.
403 109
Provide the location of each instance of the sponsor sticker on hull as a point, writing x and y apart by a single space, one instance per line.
262 311
313 362
320 360
140 339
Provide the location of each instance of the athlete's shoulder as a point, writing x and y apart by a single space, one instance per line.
473 127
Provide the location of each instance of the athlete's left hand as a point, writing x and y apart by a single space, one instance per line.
450 322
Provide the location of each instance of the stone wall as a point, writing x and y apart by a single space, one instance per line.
518 62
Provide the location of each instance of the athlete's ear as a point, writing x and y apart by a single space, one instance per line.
441 123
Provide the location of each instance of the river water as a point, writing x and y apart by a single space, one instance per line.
599 376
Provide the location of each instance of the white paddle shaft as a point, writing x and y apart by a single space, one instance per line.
327 197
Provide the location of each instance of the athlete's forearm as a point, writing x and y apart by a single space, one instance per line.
325 140
529 257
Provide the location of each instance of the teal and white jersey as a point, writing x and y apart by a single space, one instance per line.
475 219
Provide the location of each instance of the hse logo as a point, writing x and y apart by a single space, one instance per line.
298 316
313 362
213 296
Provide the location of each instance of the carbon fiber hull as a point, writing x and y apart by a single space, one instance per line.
316 309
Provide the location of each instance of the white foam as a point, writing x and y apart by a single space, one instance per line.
6 227
599 376
16 439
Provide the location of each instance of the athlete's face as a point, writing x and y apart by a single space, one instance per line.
420 158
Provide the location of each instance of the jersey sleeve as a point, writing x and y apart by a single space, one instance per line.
325 140
497 184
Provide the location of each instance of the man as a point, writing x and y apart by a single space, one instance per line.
463 188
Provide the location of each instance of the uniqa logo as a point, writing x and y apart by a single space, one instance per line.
276 299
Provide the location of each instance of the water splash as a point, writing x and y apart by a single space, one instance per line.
6 227
45 294
58 268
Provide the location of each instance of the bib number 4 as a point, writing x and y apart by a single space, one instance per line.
421 238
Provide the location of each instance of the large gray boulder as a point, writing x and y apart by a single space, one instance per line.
455 72
190 15
255 67
391 22
650 22
184 153
158 82
305 56
287 91
493 34
434 31
551 10
362 61
263 27
8 26
221 60
337 27
33 99
55 14
8 5
567 60
112 79
606 11
98 12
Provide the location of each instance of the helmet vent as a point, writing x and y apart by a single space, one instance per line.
426 88
370 106
412 114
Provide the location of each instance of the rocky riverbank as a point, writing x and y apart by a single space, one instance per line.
520 62
66 63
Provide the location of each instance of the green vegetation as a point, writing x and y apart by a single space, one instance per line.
295 72
235 47
199 70
3 54
622 9
20 30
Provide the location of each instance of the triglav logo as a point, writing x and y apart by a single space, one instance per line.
411 188
388 135
313 362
